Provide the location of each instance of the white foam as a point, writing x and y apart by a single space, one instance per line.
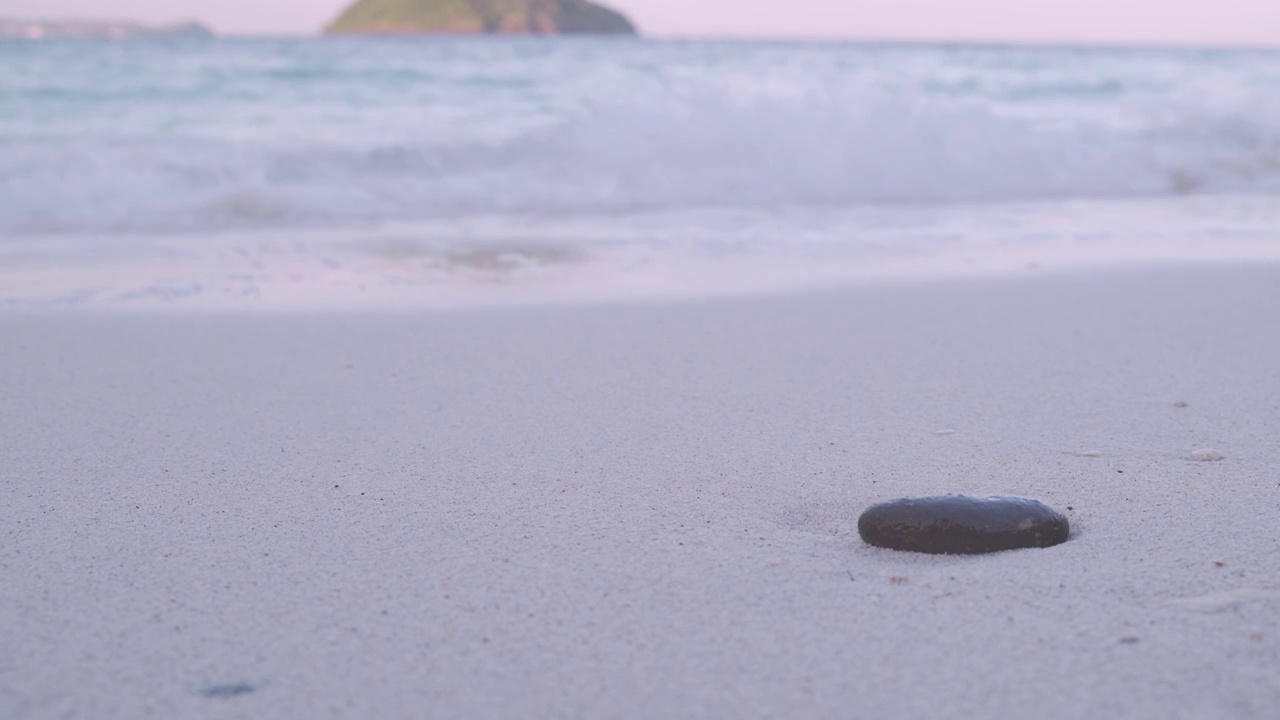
860 148
523 258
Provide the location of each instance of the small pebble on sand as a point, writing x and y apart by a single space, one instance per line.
228 690
1206 455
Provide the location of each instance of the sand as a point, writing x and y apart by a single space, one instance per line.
647 510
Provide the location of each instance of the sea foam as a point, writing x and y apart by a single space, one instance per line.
242 134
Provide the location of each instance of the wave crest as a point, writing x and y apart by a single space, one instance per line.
683 153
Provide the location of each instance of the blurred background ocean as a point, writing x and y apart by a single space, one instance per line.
412 171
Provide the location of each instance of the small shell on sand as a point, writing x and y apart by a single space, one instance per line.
1206 455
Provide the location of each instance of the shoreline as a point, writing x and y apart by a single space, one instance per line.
584 259
641 509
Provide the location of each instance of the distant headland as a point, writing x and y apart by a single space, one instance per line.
102 29
479 17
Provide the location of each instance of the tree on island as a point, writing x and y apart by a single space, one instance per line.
473 17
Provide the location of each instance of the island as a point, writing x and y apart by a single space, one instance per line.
100 29
479 17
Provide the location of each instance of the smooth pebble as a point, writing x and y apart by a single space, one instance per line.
963 525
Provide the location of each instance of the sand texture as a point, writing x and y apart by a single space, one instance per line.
647 510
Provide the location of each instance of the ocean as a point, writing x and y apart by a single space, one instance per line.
312 172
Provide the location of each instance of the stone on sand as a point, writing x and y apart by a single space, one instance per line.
964 525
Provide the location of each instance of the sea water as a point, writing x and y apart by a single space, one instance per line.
305 171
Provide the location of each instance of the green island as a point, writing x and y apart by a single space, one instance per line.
477 17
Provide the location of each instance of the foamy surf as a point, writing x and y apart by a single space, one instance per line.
250 135
282 173
526 258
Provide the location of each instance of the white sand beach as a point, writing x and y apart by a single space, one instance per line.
647 509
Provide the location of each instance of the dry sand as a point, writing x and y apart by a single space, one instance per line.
647 510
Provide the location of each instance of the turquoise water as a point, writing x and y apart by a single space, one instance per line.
703 163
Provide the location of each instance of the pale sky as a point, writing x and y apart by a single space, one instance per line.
1255 22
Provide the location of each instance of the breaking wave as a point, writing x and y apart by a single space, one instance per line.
682 153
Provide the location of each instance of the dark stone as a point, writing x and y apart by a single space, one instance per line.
962 525
228 690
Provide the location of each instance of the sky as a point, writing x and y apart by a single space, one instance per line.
1199 22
